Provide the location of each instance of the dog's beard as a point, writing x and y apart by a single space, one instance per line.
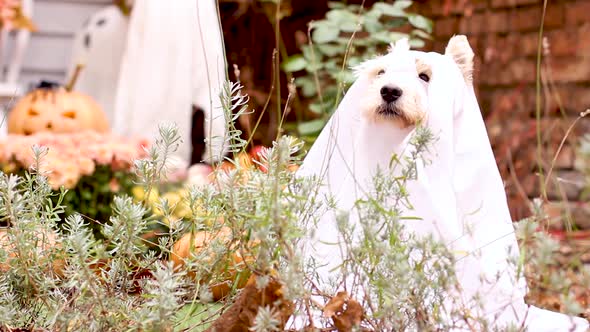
391 112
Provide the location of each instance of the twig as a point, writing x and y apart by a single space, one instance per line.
70 86
538 103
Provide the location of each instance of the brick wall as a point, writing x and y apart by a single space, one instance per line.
504 36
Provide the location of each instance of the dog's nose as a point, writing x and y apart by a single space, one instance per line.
390 94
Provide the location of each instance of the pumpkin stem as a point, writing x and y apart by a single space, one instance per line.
74 78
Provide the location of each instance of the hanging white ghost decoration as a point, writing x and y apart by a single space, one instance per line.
99 47
458 194
174 59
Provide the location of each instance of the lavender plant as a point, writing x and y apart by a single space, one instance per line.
64 279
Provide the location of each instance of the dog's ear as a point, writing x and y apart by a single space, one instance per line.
458 48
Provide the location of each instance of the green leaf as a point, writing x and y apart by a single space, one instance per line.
382 36
421 34
340 16
350 26
311 127
336 5
307 85
314 67
395 23
372 24
316 108
395 36
294 63
390 10
402 4
311 54
332 65
421 22
325 34
416 43
197 314
345 76
331 50
354 61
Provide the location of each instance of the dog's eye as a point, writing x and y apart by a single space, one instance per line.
424 77
381 72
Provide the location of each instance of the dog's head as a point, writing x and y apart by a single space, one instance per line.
398 87
399 82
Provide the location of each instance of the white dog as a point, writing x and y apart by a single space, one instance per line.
459 195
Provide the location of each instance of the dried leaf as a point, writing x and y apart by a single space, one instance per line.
345 312
240 316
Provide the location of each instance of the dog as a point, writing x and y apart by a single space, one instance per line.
456 190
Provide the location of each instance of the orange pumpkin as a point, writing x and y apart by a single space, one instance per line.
56 110
191 243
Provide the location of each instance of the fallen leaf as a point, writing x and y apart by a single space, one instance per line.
345 312
240 316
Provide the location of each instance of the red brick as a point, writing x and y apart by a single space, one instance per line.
563 124
527 44
490 48
513 72
555 15
574 99
429 45
466 7
563 42
522 45
476 43
524 99
580 100
473 25
525 19
512 3
558 98
577 12
570 69
506 53
497 22
584 40
432 9
565 158
439 46
436 9
490 76
529 19
506 102
446 27
562 185
554 212
579 212
522 70
530 185
478 5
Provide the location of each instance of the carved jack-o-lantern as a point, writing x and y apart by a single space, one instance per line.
57 110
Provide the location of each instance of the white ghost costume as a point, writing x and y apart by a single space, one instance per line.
460 186
99 46
174 59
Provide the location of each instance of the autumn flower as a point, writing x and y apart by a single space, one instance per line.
12 17
71 156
